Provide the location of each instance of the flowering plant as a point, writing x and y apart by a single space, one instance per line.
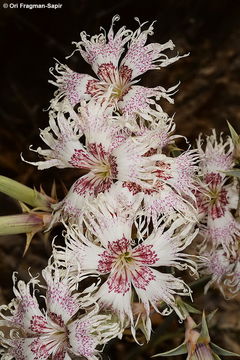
130 217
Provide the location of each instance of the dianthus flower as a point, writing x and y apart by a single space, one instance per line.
111 153
104 52
126 259
56 332
217 195
218 265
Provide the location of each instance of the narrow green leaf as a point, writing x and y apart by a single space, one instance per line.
204 335
181 349
220 351
235 137
191 309
23 193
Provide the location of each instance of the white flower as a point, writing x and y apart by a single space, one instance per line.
172 189
104 52
112 154
54 333
128 263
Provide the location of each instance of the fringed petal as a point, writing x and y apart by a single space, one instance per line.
139 100
223 231
158 132
29 349
179 172
170 241
24 308
217 155
62 136
101 49
91 331
166 202
118 302
162 287
132 165
73 206
74 86
218 265
233 282
141 58
61 302
80 255
100 220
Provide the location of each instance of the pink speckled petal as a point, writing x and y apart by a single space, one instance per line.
141 57
29 349
216 155
61 303
108 297
101 49
24 308
162 287
167 202
82 343
138 99
74 86
223 231
62 137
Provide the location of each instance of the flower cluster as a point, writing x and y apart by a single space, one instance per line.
131 213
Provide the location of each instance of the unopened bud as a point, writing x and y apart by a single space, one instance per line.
23 223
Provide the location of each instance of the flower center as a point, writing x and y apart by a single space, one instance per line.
123 260
102 170
214 198
127 265
52 331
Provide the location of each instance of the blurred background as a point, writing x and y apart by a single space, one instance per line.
209 94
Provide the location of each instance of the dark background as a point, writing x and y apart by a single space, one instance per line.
209 95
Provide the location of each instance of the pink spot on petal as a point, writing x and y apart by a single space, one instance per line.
38 324
142 277
145 255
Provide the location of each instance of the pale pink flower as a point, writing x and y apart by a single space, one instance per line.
218 265
216 200
104 53
216 155
126 262
52 333
216 196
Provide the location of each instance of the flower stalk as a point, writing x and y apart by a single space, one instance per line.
25 194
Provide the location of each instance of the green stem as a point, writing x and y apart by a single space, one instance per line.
23 193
